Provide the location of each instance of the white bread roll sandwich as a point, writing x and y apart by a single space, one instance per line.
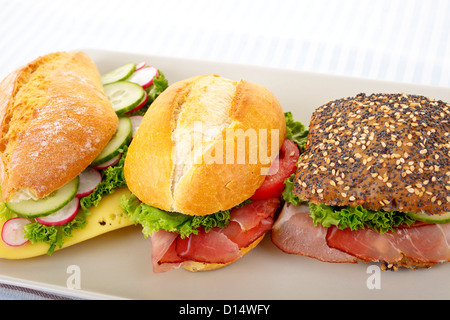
206 169
55 122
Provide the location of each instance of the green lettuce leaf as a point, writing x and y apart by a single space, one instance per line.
160 84
288 194
54 236
296 131
358 218
5 213
348 217
153 219
112 178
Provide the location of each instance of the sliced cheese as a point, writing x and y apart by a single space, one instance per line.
107 216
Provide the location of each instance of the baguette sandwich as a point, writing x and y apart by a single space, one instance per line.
61 146
198 192
373 184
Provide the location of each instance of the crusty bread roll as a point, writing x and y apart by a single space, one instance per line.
54 120
163 167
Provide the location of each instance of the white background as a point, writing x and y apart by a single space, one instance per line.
399 40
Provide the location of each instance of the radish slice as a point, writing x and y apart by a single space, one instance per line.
13 232
62 216
144 76
140 65
89 179
141 104
135 123
108 163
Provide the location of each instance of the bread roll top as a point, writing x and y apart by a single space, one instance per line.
384 151
54 120
205 145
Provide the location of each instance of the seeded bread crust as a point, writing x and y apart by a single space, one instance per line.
54 120
380 151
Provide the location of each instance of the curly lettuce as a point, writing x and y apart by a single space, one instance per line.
358 218
112 179
348 217
296 131
54 236
153 219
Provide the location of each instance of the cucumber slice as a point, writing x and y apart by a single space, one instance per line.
124 95
45 206
118 140
436 218
121 73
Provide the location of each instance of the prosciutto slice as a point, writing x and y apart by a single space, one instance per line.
294 232
418 245
212 247
425 243
250 215
218 245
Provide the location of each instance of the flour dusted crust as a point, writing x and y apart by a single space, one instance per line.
159 167
54 120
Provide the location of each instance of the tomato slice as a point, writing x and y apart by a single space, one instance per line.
273 185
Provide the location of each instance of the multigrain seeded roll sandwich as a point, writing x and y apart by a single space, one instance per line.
196 190
373 184
55 122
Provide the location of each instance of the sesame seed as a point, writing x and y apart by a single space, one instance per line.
407 138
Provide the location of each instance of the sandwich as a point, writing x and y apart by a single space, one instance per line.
62 146
373 184
206 169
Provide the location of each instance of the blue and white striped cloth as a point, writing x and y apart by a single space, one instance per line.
395 40
391 40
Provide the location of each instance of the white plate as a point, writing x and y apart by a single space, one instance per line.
117 265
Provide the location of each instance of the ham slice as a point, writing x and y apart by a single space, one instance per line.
251 214
294 232
164 257
425 243
219 245
418 245
209 247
